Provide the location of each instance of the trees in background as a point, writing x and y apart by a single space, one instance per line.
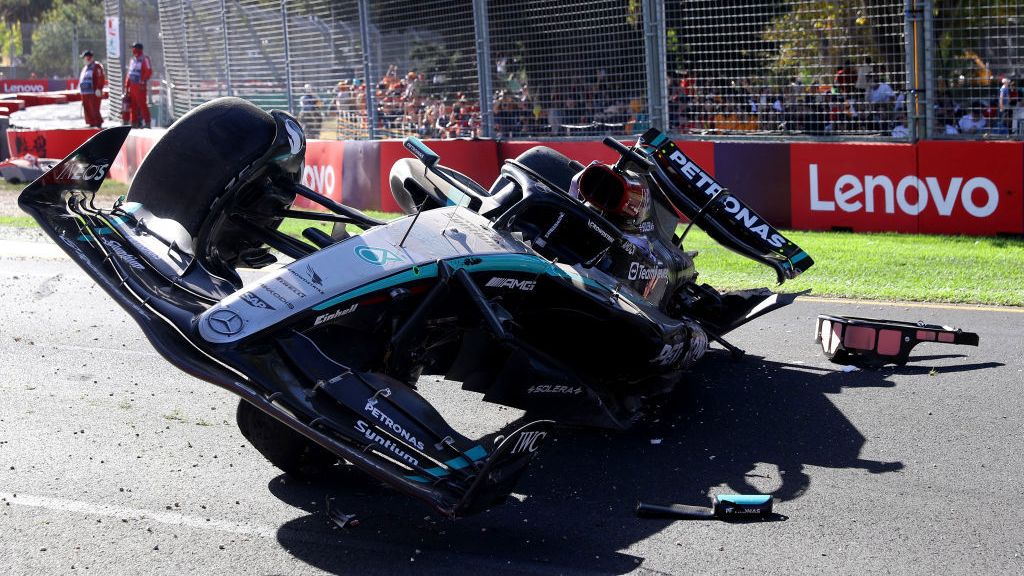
63 32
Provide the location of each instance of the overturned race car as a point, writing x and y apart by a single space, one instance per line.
485 286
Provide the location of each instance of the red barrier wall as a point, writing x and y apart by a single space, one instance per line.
931 187
974 187
940 187
23 86
836 186
10 106
476 159
47 143
136 148
324 170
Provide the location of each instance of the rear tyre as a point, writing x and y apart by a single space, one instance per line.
190 166
290 451
553 166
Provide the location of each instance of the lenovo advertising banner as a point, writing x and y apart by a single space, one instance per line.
323 170
973 187
931 187
24 86
852 186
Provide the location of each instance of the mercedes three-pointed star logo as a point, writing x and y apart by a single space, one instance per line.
226 322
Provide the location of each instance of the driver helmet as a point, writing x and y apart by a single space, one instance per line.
621 197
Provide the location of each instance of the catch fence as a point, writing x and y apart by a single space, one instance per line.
891 70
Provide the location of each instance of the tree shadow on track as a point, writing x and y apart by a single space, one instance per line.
744 425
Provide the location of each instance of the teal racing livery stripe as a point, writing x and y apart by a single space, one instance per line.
657 141
97 231
745 499
798 257
129 208
476 453
414 273
457 197
525 263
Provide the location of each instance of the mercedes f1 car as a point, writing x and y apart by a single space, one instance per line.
562 290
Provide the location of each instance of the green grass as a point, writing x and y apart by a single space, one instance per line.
17 221
295 226
884 266
110 188
881 266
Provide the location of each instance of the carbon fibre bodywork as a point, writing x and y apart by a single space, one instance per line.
542 304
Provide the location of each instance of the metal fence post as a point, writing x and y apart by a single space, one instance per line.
912 25
483 65
188 63
287 57
657 64
227 48
929 72
118 93
364 38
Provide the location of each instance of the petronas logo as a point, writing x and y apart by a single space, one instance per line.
376 256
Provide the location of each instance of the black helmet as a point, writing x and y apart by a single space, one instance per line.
137 45
86 53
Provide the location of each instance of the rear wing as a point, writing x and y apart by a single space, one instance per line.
725 218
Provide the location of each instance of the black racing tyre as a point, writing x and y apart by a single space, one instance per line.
290 451
198 156
553 166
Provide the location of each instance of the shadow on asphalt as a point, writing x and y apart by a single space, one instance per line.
739 423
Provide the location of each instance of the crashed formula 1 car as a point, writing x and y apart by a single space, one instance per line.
562 290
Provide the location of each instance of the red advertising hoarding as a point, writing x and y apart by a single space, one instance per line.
702 153
852 186
24 86
931 187
47 143
323 171
973 187
477 159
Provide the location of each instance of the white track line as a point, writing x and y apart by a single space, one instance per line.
169 518
935 306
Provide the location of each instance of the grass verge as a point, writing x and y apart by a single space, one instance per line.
884 266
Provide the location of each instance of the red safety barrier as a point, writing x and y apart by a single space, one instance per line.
24 86
972 188
477 159
931 187
71 95
11 105
136 148
850 186
43 99
323 171
47 143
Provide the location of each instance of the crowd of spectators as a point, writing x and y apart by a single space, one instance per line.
405 104
856 99
417 104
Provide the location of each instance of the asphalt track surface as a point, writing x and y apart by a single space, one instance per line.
113 462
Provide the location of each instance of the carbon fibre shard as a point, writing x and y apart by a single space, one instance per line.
873 342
